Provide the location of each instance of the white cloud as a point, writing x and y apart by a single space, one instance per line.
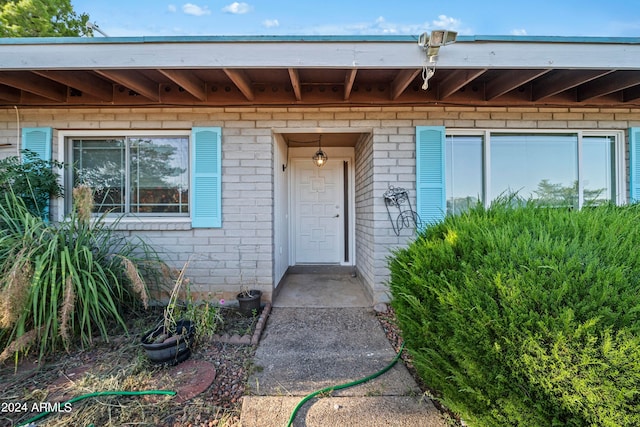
238 8
381 26
270 23
172 8
445 22
377 26
192 9
519 32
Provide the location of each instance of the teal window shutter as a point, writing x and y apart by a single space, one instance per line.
430 173
37 140
634 165
206 174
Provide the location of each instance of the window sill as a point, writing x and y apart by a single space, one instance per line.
149 223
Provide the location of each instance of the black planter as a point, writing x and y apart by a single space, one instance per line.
175 349
249 301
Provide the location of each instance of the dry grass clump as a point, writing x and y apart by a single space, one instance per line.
128 372
137 282
20 344
83 203
15 293
66 311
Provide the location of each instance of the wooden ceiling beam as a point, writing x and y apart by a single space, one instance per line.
241 80
188 81
563 80
631 94
456 80
613 82
381 87
35 84
82 81
511 81
401 81
349 78
134 81
295 83
9 94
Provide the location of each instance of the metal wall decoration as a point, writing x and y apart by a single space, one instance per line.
398 198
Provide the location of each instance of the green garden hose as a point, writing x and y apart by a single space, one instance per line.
100 393
345 385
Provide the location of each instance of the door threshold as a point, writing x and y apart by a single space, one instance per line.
320 269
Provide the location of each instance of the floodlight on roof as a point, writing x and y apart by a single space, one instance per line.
431 44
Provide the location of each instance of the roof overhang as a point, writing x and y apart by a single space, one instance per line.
261 71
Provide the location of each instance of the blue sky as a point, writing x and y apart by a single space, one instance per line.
120 18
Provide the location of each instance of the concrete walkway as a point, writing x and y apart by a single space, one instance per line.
321 286
303 350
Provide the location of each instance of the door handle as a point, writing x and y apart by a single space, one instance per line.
336 215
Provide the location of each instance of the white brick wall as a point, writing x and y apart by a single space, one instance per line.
365 226
241 251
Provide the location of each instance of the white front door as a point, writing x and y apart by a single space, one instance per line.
318 212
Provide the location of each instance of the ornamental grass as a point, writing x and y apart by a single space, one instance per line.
66 281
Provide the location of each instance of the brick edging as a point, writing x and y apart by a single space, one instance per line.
247 339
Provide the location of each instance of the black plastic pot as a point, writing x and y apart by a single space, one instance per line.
175 349
249 301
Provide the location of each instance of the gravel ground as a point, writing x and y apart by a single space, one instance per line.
219 405
120 364
394 335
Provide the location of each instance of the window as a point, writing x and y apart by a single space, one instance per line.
145 175
558 169
599 169
535 166
464 172
563 168
161 174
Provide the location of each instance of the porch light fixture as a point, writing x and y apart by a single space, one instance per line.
431 45
320 158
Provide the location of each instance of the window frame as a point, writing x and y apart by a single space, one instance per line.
620 161
65 154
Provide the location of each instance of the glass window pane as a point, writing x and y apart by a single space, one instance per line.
464 172
159 175
598 169
100 164
535 166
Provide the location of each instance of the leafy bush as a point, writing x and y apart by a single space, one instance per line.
526 315
58 282
33 180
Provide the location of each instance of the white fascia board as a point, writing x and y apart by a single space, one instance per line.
210 55
534 55
329 54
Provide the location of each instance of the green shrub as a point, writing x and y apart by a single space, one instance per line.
526 315
59 282
33 180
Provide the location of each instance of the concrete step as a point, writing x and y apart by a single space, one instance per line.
366 411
